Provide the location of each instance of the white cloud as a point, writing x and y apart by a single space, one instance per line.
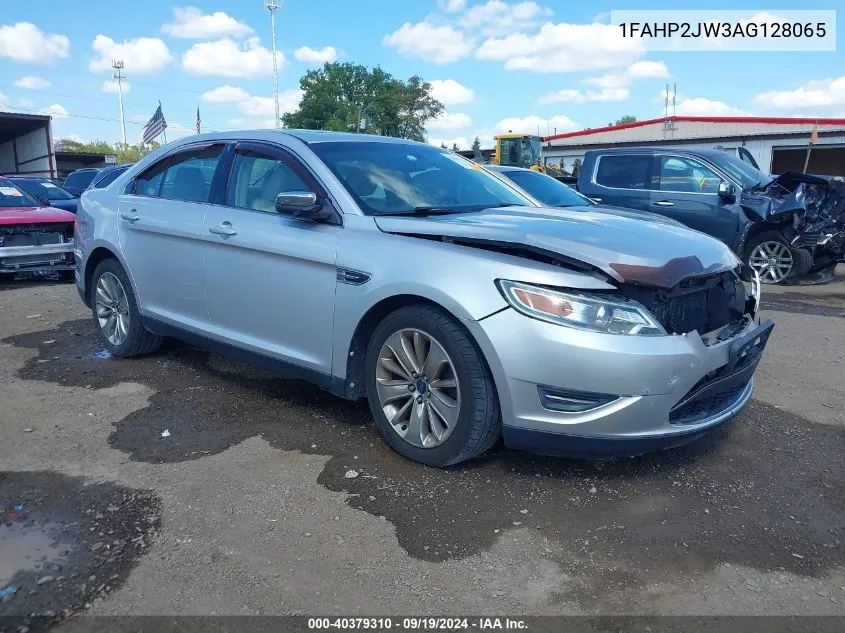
110 86
450 92
264 107
57 111
191 23
461 141
644 69
438 44
700 106
31 82
579 96
612 83
500 18
306 55
450 121
225 94
531 125
142 55
818 93
451 6
25 42
252 106
563 48
225 58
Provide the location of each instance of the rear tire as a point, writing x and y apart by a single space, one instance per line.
116 316
445 366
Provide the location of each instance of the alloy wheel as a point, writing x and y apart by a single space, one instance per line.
112 308
417 388
772 260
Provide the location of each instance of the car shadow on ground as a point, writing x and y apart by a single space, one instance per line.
766 491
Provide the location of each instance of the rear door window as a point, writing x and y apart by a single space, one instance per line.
189 174
624 171
186 175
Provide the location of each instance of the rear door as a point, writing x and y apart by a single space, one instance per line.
270 279
687 190
160 227
622 180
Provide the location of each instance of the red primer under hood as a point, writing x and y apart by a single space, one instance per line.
34 215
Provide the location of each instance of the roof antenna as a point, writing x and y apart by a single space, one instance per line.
666 103
674 98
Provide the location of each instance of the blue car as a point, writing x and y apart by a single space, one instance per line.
93 177
46 189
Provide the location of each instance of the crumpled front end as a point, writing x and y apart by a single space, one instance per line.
36 248
816 206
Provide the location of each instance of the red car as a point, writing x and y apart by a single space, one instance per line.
34 237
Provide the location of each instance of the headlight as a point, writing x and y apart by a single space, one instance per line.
581 311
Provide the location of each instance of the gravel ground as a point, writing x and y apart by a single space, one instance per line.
248 503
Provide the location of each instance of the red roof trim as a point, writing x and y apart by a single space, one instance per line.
700 119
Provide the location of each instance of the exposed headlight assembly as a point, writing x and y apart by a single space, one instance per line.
581 311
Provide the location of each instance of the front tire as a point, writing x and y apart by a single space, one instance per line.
430 391
116 316
770 255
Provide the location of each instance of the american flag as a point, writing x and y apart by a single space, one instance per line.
199 120
154 126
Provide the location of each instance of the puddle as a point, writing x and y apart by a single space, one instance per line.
766 491
78 538
28 547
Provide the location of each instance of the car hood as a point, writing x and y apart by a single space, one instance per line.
626 249
34 215
66 205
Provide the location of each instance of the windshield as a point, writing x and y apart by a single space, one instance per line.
13 196
739 170
45 189
394 178
547 190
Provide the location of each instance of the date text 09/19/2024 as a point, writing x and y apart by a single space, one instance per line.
417 623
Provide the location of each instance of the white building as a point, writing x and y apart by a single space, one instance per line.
776 144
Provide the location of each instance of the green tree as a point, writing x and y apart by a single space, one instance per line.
476 145
628 118
346 97
576 167
443 145
455 147
122 153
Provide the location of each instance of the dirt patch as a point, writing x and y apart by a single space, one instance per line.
65 541
767 491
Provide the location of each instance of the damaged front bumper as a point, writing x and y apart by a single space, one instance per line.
568 392
36 258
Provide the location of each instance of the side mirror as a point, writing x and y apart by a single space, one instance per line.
303 205
727 192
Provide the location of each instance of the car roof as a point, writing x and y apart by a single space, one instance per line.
693 151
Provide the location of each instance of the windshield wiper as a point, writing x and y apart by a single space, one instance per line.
427 211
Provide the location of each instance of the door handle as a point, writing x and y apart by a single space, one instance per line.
226 229
131 217
596 199
665 203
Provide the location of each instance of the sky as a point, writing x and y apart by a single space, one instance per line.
496 65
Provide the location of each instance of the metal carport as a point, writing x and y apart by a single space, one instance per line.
26 145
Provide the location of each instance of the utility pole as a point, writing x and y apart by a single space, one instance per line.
117 64
272 7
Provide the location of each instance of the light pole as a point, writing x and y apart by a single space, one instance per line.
272 7
117 64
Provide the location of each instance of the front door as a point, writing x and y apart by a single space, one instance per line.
688 191
270 279
160 226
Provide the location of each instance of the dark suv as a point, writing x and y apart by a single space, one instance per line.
782 227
